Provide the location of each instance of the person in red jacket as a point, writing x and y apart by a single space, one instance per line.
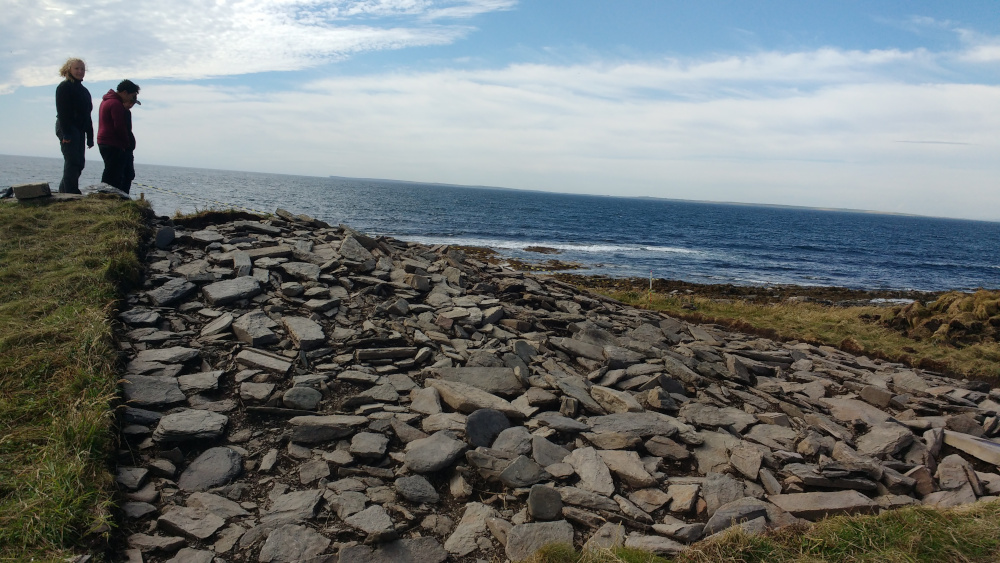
114 133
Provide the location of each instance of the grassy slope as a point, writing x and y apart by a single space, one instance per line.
849 328
61 267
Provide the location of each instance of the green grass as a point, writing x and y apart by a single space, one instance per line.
915 534
922 534
62 268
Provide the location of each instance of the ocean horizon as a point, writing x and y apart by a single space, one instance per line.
688 240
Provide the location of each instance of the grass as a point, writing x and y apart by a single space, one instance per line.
915 534
62 268
970 533
858 330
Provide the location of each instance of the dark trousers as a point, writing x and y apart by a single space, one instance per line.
115 160
73 162
129 173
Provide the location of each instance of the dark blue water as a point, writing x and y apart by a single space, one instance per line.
622 237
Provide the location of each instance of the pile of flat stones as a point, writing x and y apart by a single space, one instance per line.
296 391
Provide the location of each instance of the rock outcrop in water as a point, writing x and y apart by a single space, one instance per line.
301 392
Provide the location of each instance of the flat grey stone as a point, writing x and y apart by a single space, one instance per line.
372 520
885 439
546 453
172 292
524 540
190 555
720 489
220 506
314 429
250 391
657 545
579 497
190 424
302 270
199 382
368 445
643 425
463 540
466 398
515 440
303 398
292 543
701 414
230 291
194 523
137 510
296 506
351 249
561 423
594 473
148 543
846 410
713 454
615 401
416 550
522 472
131 478
415 488
628 467
495 380
152 391
213 468
140 318
172 355
306 334
813 506
313 470
254 359
254 328
434 453
736 512
650 499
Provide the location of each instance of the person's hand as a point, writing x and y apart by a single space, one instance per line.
65 141
90 145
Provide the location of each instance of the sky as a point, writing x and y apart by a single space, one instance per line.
880 105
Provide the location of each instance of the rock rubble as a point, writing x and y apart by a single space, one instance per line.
296 391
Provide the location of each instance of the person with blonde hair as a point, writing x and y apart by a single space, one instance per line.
73 123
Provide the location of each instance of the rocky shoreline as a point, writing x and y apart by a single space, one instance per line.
295 391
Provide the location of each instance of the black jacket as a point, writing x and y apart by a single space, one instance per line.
73 108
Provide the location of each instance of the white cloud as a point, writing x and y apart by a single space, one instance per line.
190 39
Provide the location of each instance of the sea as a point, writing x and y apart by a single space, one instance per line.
700 242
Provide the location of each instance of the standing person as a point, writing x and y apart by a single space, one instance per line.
73 123
114 135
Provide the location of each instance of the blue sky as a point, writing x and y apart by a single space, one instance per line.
880 105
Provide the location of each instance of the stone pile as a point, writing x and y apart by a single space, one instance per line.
296 391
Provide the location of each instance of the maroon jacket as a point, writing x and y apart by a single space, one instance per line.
114 128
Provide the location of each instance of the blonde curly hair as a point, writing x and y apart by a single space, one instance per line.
64 69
